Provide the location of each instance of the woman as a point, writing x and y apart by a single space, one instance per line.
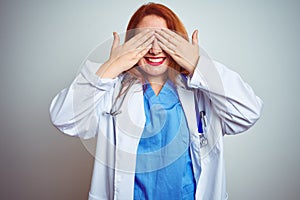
159 111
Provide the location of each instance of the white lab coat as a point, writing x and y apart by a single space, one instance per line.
83 110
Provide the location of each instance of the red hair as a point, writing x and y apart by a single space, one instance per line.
173 23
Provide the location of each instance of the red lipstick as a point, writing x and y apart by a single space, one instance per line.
155 61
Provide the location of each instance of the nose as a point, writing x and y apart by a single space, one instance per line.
155 49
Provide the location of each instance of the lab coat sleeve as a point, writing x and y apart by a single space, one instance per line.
75 110
231 98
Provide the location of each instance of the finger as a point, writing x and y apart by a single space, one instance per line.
166 42
166 38
135 36
143 51
167 33
142 46
116 41
147 42
146 37
195 37
166 49
140 38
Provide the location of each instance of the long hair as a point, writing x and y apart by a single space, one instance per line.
173 23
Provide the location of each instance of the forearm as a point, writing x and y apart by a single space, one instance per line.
110 69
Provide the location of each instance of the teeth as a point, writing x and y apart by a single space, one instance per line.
155 60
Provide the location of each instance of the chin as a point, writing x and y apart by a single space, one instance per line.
154 69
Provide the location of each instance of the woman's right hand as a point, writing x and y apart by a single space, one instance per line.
125 56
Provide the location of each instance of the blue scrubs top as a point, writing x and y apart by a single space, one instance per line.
163 163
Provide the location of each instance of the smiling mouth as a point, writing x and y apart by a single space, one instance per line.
155 61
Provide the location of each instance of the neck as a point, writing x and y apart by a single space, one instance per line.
157 83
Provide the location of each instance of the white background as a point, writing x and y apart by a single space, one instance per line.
44 42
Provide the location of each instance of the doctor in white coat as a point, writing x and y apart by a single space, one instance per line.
107 101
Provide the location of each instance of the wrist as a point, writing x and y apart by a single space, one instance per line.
109 69
191 68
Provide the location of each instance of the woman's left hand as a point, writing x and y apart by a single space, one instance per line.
183 52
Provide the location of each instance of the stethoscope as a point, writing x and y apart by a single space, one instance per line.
202 124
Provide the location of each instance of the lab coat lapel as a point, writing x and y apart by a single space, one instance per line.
187 100
131 119
129 125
